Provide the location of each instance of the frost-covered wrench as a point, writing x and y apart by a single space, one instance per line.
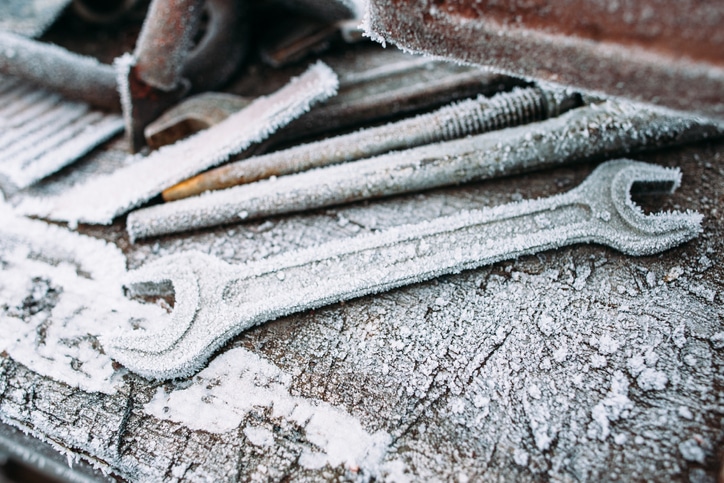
215 300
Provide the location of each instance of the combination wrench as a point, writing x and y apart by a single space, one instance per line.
215 300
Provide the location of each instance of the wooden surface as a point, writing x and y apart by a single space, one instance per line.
574 365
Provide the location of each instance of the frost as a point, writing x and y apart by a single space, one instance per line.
615 406
561 354
237 382
651 279
717 340
635 365
457 405
546 324
231 298
59 291
130 186
598 361
673 274
652 380
582 274
539 419
651 357
607 345
685 412
259 436
520 456
679 335
705 293
42 133
484 156
691 451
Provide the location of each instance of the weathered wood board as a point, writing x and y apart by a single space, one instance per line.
572 365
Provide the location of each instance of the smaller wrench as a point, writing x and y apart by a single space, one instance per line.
215 300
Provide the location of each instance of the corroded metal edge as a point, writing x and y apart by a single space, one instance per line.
650 71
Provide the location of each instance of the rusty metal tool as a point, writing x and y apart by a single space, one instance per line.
101 199
669 53
389 85
301 36
192 115
596 131
74 76
41 132
164 68
468 117
378 85
220 300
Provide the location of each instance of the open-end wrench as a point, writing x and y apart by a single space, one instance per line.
215 300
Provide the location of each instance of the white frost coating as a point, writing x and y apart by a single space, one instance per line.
366 15
61 290
607 345
43 133
130 186
29 18
259 436
238 381
615 406
453 121
122 67
599 130
691 451
652 380
230 298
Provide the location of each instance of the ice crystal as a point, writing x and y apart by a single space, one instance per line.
130 186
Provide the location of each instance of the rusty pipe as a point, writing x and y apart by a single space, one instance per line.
165 41
55 68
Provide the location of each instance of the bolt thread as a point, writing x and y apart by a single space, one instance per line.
520 106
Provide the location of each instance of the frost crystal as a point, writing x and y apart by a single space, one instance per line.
652 380
557 141
59 291
42 132
615 406
691 451
132 185
221 300
238 381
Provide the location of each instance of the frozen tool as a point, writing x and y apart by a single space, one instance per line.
104 197
215 300
608 130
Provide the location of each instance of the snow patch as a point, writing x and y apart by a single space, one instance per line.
237 381
652 380
60 290
616 405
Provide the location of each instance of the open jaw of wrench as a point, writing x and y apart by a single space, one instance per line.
215 300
